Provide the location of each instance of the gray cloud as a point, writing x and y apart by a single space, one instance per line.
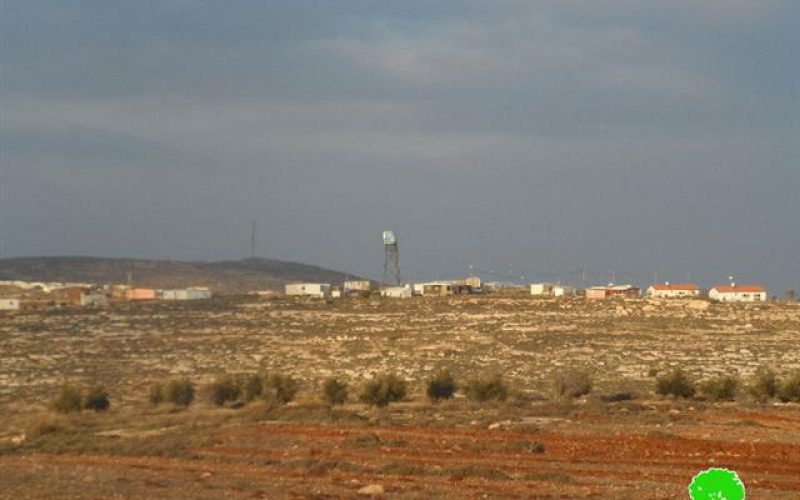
549 135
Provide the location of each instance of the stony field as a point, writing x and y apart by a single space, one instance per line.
530 446
527 340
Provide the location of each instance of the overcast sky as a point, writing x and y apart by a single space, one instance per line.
537 136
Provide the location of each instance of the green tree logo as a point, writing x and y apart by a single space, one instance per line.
717 484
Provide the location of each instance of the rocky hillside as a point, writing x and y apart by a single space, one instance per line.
224 276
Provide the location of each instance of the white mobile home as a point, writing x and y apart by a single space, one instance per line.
673 290
398 292
320 290
356 286
738 293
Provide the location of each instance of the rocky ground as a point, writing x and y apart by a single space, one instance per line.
531 445
528 340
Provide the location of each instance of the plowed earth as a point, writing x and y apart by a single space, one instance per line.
578 459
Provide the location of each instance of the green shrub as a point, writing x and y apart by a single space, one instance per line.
280 388
67 400
334 391
572 384
441 386
487 389
96 399
722 388
790 388
252 386
676 383
179 392
764 384
156 394
225 388
383 389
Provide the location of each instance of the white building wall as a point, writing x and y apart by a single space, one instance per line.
358 285
320 290
197 293
186 294
563 291
94 300
737 296
398 292
542 289
671 294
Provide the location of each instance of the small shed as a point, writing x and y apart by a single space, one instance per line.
673 290
94 300
545 289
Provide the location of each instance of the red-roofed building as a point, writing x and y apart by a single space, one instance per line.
673 290
738 293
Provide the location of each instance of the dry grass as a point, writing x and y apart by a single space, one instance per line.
528 341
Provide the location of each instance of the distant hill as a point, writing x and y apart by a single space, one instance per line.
224 276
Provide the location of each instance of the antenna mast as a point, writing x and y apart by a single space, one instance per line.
3 240
253 240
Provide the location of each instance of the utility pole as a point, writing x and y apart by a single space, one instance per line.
253 240
3 232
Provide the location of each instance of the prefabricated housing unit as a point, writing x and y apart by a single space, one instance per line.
72 296
542 289
356 286
738 293
434 288
194 293
321 290
673 290
94 300
612 291
9 304
442 288
140 294
398 292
